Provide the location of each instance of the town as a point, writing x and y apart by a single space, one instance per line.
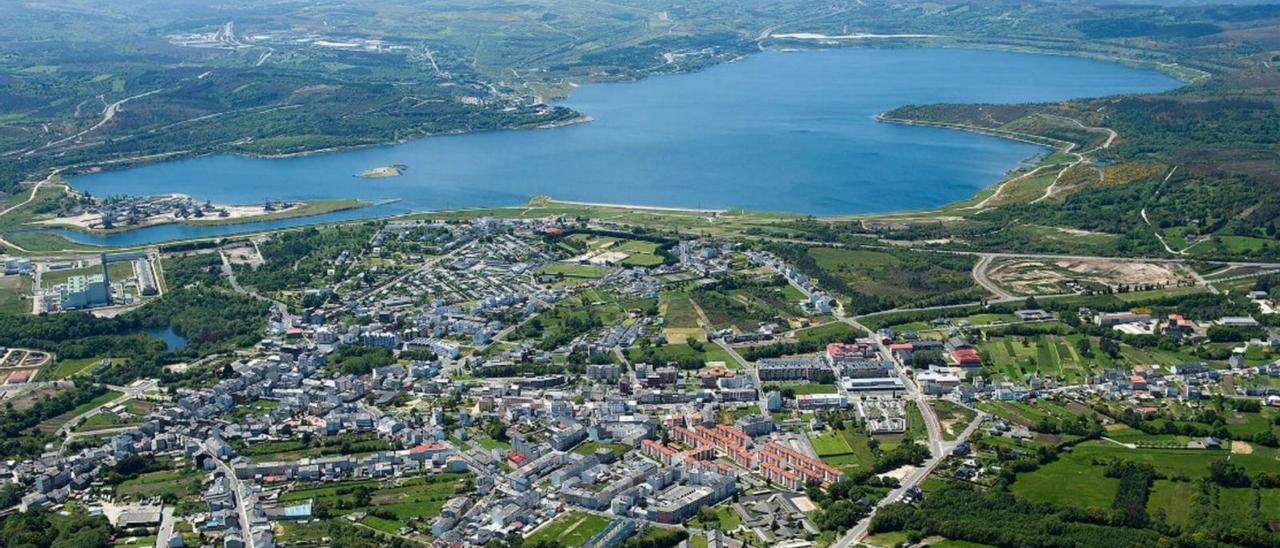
565 382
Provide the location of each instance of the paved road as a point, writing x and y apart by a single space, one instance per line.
166 527
65 430
859 531
980 275
1045 256
35 189
937 449
281 309
236 489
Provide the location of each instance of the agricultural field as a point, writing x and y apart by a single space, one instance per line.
1083 470
682 353
1030 414
926 329
1124 434
1191 463
178 483
1089 488
416 498
295 449
833 331
570 530
739 309
1012 357
680 318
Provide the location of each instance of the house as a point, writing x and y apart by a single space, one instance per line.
1177 326
1032 315
1237 361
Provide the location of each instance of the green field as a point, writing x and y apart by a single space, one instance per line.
590 447
1055 356
830 442
952 417
887 278
295 449
572 529
136 410
176 483
682 352
409 498
15 294
1089 487
833 331
69 368
727 520
843 449
574 270
639 252
54 423
679 318
490 443
258 408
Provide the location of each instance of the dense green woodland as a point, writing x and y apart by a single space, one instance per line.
296 259
39 529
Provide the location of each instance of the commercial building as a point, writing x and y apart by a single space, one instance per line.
86 291
792 369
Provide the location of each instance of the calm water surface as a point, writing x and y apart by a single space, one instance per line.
779 131
172 340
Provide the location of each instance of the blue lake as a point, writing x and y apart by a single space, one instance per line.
172 340
778 131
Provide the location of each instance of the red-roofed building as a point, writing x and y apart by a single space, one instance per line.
711 376
966 357
659 452
809 468
781 476
837 352
1139 382
427 451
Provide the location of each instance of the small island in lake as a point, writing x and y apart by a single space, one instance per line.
384 171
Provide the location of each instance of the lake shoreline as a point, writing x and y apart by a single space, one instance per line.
309 208
460 173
